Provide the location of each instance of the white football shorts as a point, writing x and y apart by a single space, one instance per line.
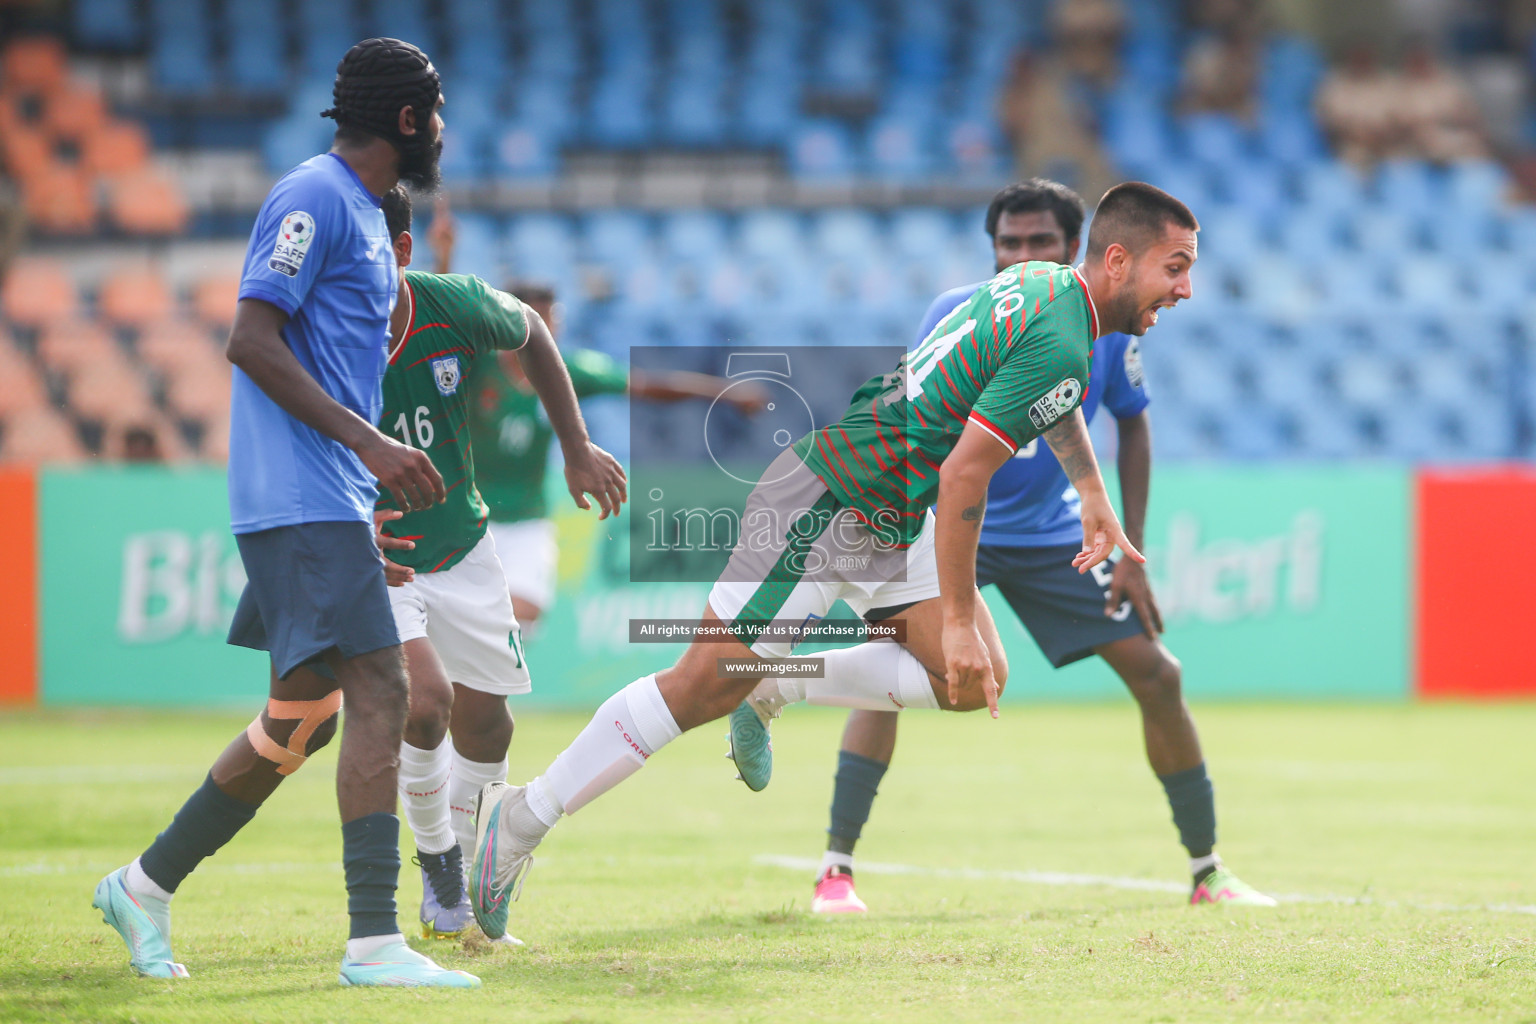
529 554
466 613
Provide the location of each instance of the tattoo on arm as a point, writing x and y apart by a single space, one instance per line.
1072 447
975 513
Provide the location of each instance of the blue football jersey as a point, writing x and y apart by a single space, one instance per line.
320 252
1030 502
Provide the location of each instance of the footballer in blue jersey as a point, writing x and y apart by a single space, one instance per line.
1029 535
309 345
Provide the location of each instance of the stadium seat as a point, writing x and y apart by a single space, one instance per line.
61 200
692 114
771 234
21 390
118 147
74 112
1369 381
110 391
171 346
148 203
108 24
38 291
258 57
199 394
822 150
694 234
33 64
214 299
525 152
40 436
28 152
65 347
134 296
851 234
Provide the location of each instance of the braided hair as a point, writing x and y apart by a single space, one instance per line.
374 80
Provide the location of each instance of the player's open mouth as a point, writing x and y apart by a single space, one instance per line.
1152 313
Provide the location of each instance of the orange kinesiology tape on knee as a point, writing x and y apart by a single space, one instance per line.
310 714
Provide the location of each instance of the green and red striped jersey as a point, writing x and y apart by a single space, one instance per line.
1013 359
454 319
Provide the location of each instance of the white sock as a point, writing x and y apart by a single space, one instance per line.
630 726
141 884
424 795
832 859
465 780
878 676
1199 864
368 944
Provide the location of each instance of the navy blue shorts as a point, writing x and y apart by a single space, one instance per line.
1062 608
312 588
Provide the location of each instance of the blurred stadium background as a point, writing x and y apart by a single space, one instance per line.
1341 414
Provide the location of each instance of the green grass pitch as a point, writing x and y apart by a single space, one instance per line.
1403 839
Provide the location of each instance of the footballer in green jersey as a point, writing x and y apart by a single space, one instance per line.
811 536
450 604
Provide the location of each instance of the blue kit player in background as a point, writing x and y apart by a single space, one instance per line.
309 347
1028 539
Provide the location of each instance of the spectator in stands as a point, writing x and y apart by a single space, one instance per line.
1049 103
1439 117
141 444
1357 105
1221 69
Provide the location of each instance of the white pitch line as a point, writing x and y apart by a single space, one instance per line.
1121 882
69 774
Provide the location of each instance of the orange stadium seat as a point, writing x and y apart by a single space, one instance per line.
61 199
110 391
215 446
34 62
28 151
68 346
199 395
74 112
133 296
173 448
21 389
213 300
119 147
148 203
169 346
40 435
37 292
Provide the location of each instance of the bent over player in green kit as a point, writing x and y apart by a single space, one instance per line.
847 517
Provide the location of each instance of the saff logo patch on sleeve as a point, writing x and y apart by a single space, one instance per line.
293 237
1058 403
1134 372
446 373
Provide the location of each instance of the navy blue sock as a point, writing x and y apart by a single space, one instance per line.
1193 800
370 851
858 780
209 819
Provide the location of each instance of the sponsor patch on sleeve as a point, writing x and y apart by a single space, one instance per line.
1133 368
293 237
1060 401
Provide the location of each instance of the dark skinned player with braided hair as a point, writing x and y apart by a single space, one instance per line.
306 463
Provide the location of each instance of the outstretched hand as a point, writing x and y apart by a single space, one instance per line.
1102 533
595 472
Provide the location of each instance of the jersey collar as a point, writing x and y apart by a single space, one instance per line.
410 321
1093 311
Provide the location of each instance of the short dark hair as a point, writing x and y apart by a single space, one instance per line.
1035 195
533 292
397 212
1135 214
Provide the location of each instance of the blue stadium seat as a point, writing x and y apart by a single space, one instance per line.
619 113
1290 138
1477 184
771 234
691 112
525 151
1308 234
294 139
851 234
477 248
535 238
822 150
1286 380
616 237
1331 186
404 19
258 59
1408 185
1460 234
1384 230
768 110
1369 381
695 234
1258 188
897 151
1216 139
325 33
922 232
108 24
